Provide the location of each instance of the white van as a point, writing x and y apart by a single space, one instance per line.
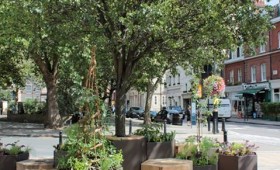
224 109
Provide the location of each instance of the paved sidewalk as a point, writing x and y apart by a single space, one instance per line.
254 121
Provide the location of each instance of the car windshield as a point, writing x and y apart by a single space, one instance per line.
136 108
178 108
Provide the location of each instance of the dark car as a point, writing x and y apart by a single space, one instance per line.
153 114
171 117
135 112
179 109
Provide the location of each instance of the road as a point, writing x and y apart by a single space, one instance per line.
267 137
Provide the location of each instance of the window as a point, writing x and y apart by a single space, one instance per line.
253 74
155 100
173 80
278 39
231 77
239 75
28 88
263 72
163 100
178 82
233 54
262 48
276 95
169 81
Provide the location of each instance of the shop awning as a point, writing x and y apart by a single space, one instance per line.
252 91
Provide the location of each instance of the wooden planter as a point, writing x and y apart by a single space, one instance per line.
156 150
133 150
206 167
248 162
8 162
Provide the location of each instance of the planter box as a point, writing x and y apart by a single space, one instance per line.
26 118
8 162
133 150
248 162
206 167
156 150
58 154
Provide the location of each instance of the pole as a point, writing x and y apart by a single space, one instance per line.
215 122
225 136
130 127
223 124
164 126
60 138
208 118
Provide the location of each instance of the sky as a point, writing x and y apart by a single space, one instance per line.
273 2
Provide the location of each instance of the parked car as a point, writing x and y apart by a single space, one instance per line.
153 114
179 109
171 117
135 112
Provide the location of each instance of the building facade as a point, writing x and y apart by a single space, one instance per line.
174 90
252 79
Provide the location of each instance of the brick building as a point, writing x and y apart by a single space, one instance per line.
254 79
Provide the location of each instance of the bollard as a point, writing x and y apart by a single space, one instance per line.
215 122
208 122
60 138
130 127
225 136
164 126
223 124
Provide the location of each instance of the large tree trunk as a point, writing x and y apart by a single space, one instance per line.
120 112
149 95
53 118
49 71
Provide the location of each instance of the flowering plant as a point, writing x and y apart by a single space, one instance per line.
214 86
237 149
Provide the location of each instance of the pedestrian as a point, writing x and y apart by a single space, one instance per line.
188 115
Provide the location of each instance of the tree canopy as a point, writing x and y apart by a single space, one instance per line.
132 35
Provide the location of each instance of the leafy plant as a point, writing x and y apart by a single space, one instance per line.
86 146
32 106
14 148
237 149
203 153
153 133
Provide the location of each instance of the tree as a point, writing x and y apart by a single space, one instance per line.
129 32
47 32
193 31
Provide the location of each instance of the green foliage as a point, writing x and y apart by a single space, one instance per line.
237 149
270 108
86 145
14 148
153 133
203 153
33 106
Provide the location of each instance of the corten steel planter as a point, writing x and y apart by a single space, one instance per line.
205 167
8 162
57 154
133 150
156 150
248 162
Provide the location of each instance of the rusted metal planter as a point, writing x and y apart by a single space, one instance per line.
157 150
8 162
248 162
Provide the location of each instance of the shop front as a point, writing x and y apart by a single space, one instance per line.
254 95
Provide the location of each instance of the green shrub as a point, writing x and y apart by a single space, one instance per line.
203 153
153 133
33 106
